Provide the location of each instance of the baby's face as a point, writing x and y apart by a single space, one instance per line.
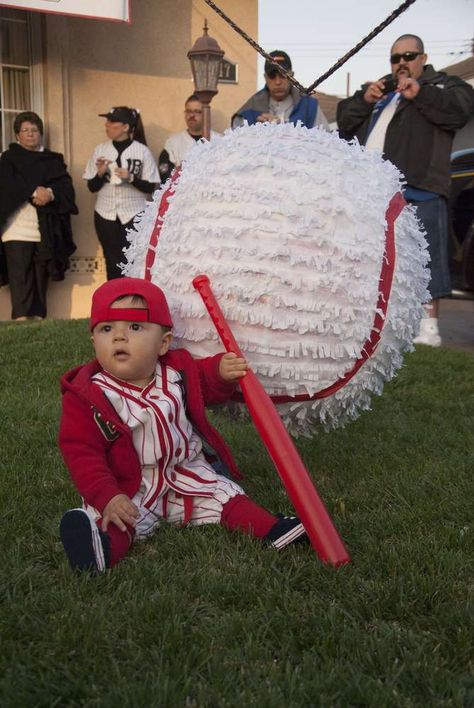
129 350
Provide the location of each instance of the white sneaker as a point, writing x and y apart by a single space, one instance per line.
429 333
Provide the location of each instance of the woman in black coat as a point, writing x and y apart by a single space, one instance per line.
36 203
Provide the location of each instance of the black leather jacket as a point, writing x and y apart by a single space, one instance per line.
419 136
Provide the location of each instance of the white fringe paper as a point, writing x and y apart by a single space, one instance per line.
289 225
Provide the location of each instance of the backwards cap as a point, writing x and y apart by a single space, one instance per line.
156 309
281 58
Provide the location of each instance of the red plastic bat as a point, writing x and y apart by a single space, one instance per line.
294 475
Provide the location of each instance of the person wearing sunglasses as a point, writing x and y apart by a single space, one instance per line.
411 115
179 144
279 101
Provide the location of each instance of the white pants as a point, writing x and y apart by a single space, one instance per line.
172 508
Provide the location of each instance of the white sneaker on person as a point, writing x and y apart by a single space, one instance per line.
429 333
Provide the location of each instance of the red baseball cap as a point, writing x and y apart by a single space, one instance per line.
156 311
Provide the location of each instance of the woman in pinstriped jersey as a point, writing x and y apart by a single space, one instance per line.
122 171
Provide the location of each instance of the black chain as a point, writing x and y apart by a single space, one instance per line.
404 6
310 90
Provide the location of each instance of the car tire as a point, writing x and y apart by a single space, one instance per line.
468 259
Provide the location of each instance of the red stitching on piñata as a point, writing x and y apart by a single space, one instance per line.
397 203
155 234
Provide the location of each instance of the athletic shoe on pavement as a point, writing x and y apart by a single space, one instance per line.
86 546
431 340
287 530
429 333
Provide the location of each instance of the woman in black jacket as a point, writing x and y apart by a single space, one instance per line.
36 203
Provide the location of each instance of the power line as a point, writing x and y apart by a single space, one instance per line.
330 41
382 57
338 45
319 55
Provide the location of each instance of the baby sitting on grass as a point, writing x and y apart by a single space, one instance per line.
136 440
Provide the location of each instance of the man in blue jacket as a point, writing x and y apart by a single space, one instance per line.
279 101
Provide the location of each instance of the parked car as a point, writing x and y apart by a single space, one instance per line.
462 222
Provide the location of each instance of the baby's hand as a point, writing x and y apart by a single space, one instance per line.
232 367
119 510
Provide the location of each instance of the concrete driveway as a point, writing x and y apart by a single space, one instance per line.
456 324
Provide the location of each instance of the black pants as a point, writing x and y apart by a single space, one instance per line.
28 279
113 239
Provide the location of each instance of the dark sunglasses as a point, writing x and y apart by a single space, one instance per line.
406 56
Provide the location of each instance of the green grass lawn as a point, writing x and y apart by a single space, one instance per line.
201 618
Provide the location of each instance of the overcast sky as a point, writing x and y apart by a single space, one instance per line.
315 34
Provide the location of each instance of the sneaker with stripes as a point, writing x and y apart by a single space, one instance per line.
287 530
86 546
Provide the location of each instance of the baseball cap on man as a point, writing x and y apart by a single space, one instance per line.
122 114
156 309
280 58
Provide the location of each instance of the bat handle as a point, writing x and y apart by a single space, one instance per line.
203 285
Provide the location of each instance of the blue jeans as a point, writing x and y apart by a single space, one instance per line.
433 214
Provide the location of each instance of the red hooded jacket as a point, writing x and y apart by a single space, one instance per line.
97 446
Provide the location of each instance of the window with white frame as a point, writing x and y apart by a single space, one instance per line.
20 71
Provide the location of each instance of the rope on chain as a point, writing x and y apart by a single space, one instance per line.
393 16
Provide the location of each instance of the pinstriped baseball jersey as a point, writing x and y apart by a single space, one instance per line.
123 200
179 144
169 450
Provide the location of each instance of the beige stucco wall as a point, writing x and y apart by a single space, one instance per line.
92 65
